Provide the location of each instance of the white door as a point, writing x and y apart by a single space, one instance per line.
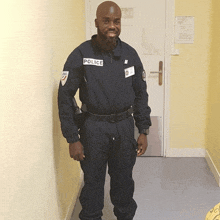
143 27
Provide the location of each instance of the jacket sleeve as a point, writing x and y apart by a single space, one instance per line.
141 109
67 90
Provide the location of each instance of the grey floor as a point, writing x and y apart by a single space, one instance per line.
168 189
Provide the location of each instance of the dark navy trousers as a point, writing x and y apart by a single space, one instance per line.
111 144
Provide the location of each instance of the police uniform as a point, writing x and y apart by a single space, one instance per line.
109 83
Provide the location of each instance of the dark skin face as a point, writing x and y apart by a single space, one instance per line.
108 24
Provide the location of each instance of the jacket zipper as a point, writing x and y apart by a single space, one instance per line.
110 56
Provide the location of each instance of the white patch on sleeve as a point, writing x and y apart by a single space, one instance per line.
64 77
129 72
144 75
126 62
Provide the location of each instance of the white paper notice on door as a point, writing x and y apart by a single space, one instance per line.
184 30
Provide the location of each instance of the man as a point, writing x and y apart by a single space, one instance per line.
110 78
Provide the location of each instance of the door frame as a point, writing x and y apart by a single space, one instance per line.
169 47
169 51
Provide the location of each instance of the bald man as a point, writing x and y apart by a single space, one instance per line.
111 81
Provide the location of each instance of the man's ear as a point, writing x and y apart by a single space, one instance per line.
96 22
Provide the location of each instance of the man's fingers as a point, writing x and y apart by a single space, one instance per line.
76 157
141 150
79 157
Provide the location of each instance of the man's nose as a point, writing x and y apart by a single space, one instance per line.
111 25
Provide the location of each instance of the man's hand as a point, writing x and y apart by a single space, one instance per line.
142 144
76 151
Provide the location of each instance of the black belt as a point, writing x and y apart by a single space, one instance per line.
112 117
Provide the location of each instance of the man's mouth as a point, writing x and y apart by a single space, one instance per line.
112 33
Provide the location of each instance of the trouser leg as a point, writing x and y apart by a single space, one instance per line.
92 194
121 162
94 168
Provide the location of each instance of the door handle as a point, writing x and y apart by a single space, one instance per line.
160 73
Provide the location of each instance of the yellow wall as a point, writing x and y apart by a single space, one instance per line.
189 77
38 179
67 31
213 104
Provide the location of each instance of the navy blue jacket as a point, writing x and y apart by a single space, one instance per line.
108 83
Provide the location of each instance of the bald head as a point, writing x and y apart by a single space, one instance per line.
108 24
108 21
108 7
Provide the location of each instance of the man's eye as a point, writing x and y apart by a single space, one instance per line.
106 21
117 22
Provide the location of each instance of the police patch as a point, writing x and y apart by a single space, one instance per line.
64 77
144 75
94 62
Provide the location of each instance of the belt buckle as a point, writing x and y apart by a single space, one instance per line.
112 118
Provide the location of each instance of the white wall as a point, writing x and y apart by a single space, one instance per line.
27 166
34 170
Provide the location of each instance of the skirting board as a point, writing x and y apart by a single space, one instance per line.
185 152
72 205
212 167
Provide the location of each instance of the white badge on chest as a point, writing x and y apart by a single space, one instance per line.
129 72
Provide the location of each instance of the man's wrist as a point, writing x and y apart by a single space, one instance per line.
144 131
73 139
